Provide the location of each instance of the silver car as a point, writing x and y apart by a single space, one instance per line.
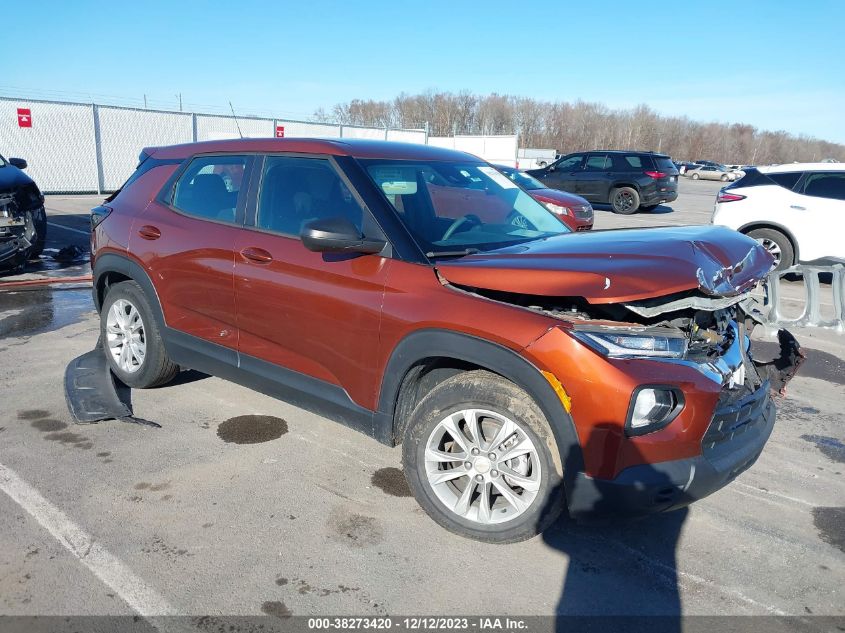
708 172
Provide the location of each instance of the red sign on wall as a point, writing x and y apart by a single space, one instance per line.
24 117
280 131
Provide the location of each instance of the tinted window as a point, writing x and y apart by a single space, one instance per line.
569 164
209 187
664 163
826 185
597 163
297 190
787 180
628 162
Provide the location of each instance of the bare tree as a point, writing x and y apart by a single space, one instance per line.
581 125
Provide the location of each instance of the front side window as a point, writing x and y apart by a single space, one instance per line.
295 191
826 184
450 206
569 164
209 187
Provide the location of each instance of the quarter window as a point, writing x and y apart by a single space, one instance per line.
787 179
829 184
210 186
295 191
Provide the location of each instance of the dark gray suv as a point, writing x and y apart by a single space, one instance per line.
628 181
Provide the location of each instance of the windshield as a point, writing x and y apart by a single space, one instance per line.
456 206
529 183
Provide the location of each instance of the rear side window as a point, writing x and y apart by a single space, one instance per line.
597 163
830 184
296 190
210 186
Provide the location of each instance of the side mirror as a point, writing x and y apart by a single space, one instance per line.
550 168
337 235
20 163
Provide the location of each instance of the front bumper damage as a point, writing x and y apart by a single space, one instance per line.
737 432
17 232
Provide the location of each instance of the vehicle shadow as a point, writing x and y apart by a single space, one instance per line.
660 209
623 569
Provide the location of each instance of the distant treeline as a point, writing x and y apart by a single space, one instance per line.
570 127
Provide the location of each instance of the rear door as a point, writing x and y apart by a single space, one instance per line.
316 314
594 180
820 205
185 239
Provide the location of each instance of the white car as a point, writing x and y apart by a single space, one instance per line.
796 211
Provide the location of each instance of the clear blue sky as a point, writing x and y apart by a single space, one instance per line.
776 64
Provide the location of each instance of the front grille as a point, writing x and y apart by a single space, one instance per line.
735 419
582 211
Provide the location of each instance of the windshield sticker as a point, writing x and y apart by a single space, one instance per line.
500 179
395 181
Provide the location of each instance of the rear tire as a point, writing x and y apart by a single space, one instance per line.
778 245
624 200
479 494
725 178
131 339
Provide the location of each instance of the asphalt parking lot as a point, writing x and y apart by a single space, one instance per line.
314 518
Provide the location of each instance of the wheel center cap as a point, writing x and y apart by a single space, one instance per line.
482 465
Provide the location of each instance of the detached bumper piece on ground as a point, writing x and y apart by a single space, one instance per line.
93 394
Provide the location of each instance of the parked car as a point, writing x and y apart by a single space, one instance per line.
523 369
708 163
708 172
23 221
628 181
797 211
574 211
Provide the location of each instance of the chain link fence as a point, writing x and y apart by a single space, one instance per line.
91 148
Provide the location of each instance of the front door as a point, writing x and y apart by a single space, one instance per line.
564 174
316 314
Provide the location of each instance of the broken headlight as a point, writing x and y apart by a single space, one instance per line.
617 344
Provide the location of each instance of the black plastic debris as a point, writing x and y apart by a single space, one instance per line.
93 394
782 369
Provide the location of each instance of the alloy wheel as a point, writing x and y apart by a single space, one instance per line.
773 248
125 336
623 201
482 466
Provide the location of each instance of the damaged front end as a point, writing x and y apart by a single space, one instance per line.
17 232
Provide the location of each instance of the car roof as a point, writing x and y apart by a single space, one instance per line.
622 151
776 169
359 148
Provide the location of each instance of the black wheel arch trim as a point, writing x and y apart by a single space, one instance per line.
124 265
767 224
437 343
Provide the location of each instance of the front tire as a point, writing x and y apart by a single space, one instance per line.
39 221
131 338
695 176
481 460
778 246
625 200
725 178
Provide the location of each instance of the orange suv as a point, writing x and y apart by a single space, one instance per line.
420 296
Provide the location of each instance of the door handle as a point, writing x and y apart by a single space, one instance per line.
798 207
149 232
256 255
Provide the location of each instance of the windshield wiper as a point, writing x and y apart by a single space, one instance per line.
463 253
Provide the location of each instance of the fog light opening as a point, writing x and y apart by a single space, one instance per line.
652 408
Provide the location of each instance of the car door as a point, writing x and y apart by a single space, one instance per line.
316 314
593 183
185 240
819 209
563 175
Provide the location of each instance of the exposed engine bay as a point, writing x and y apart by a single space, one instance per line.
17 232
710 332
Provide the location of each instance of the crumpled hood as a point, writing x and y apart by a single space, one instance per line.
12 178
620 265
